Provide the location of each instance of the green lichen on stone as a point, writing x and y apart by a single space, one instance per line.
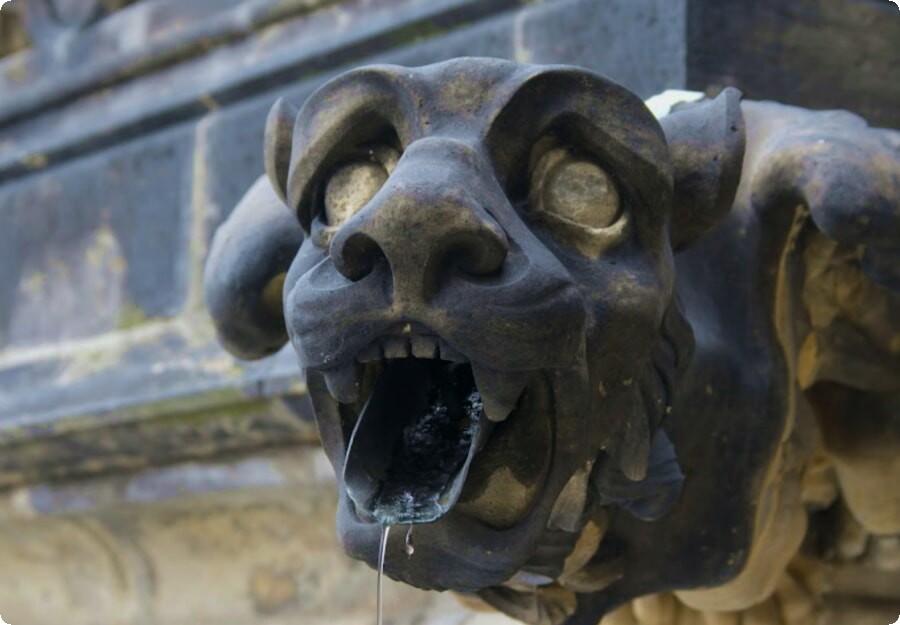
104 251
35 161
420 31
87 362
130 315
35 282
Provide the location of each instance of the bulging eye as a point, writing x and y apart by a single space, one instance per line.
355 183
576 189
350 188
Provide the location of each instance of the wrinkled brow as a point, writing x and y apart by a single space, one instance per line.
596 114
351 109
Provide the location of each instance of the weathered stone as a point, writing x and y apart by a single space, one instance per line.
97 245
175 94
795 52
558 176
251 540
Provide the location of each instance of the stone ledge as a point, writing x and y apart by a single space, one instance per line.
126 401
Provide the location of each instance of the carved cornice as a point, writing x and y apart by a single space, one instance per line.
125 400
191 58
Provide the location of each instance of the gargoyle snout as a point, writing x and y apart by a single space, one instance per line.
428 223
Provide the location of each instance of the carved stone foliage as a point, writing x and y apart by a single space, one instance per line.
586 356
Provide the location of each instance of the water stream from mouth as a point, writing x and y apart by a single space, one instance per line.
382 550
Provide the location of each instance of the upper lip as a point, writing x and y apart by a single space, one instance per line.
536 308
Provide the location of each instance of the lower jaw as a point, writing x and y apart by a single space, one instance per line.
456 553
460 552
464 551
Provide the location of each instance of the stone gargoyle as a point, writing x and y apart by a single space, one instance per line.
601 364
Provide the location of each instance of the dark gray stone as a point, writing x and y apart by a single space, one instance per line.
639 44
97 245
815 53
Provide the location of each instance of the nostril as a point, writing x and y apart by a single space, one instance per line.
355 255
477 254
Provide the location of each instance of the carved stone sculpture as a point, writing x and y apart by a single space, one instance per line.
588 356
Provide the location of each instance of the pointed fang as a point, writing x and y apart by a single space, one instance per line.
343 383
500 391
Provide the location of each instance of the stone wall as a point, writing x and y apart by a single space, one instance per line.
125 142
147 477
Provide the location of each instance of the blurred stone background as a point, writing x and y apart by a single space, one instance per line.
146 477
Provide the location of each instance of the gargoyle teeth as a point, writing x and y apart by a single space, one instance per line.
424 346
410 345
396 347
343 383
500 392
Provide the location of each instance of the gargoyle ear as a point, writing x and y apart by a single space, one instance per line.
706 143
245 272
278 143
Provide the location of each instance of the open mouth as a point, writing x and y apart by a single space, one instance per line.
415 421
415 440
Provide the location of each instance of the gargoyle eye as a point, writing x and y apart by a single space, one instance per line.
355 183
576 189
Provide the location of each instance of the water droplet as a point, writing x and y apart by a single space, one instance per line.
410 549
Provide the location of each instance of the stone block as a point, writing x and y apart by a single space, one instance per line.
98 244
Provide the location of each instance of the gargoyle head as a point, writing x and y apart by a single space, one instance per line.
480 290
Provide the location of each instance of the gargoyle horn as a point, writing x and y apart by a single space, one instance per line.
706 141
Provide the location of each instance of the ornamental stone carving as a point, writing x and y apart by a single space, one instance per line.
588 357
